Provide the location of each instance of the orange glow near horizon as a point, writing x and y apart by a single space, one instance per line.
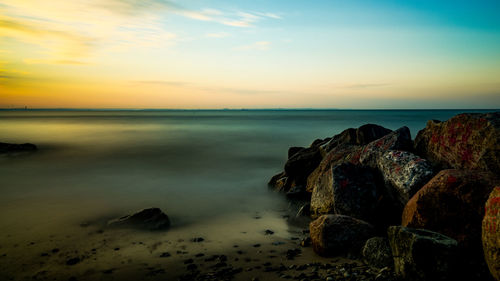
157 54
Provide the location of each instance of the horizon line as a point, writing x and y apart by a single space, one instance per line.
228 109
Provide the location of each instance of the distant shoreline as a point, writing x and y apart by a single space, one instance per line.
241 109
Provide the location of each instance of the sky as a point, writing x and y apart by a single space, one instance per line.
197 54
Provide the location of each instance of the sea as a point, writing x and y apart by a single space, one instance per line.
206 169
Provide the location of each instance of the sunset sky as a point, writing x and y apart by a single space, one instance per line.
249 54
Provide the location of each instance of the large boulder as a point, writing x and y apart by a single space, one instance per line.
404 172
396 140
491 233
338 234
466 141
377 252
12 147
422 254
347 189
452 203
339 154
148 219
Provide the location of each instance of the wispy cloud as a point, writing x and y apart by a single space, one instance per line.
218 35
260 46
234 19
71 32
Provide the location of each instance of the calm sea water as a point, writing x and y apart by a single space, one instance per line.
195 165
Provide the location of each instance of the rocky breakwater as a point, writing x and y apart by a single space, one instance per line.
418 198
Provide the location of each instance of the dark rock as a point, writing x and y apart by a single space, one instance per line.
305 210
73 261
302 163
466 141
268 232
292 253
197 239
306 242
422 254
452 203
360 136
339 234
151 219
165 255
11 147
348 190
377 252
279 182
293 150
338 155
370 132
491 233
404 172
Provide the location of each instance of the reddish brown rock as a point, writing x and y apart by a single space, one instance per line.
466 141
491 233
338 234
452 203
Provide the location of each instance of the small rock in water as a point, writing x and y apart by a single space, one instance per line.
269 232
256 245
197 239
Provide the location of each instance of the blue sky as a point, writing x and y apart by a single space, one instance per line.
252 54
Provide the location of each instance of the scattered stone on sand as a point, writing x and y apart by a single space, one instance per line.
73 261
165 255
198 239
421 254
491 233
150 219
268 232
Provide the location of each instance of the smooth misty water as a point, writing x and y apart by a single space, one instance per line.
207 170
195 165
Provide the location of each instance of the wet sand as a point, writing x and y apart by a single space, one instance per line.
236 248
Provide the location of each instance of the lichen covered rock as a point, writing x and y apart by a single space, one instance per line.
404 172
451 203
466 141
